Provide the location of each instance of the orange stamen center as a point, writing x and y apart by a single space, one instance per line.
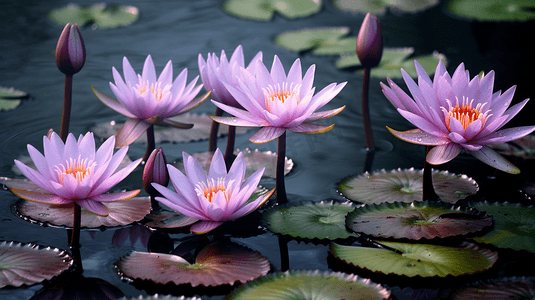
210 188
154 88
78 168
465 113
281 93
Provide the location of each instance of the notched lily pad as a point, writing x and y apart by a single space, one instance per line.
514 225
321 221
493 10
379 7
415 221
417 260
29 264
503 288
310 285
222 263
405 186
523 147
121 213
326 41
99 14
263 10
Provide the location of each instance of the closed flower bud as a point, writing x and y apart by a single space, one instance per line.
155 171
370 42
70 51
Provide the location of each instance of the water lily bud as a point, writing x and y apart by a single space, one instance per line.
370 42
70 51
155 170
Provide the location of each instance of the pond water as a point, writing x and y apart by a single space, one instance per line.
179 31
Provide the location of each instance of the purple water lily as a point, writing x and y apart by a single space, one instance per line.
215 197
454 113
74 172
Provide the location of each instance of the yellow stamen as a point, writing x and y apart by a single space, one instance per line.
281 93
79 168
145 86
210 188
465 114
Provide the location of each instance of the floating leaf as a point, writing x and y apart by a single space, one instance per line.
418 260
101 15
121 213
29 264
416 220
263 10
378 7
514 226
503 288
405 186
523 147
168 219
254 160
493 10
310 285
8 104
11 93
327 41
315 221
78 287
217 264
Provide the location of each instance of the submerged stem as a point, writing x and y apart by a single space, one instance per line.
281 161
213 131
229 152
67 101
427 181
366 111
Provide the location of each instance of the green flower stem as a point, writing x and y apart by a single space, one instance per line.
281 161
285 258
213 131
229 152
366 111
66 116
427 181
151 144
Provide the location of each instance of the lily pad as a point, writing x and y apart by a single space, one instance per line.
379 7
100 15
121 213
405 186
78 287
523 147
418 260
504 288
514 226
326 41
310 285
254 160
10 98
415 221
29 264
263 10
493 10
200 131
217 264
314 221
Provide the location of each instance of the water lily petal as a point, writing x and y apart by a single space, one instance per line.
217 166
320 115
204 227
266 134
130 131
421 123
233 121
509 134
443 153
242 116
193 168
121 196
492 158
94 206
309 128
418 136
39 197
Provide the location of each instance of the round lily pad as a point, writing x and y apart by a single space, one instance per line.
326 41
313 221
310 285
523 147
405 186
29 264
100 15
220 263
254 160
10 98
503 288
121 213
417 260
379 7
263 10
416 220
514 225
493 10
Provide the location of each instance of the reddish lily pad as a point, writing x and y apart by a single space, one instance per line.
310 285
405 186
312 221
379 7
504 288
99 14
415 221
121 213
216 264
523 147
417 260
29 264
200 131
263 10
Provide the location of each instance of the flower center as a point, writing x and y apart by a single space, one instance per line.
210 188
281 93
465 113
154 88
78 168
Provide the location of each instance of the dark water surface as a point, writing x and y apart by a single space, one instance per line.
179 31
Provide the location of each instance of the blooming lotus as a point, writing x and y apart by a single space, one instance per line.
215 197
148 100
214 71
275 101
73 172
454 113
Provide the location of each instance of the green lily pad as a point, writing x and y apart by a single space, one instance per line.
523 147
493 10
217 264
8 104
10 98
310 285
417 260
503 288
326 41
379 7
263 10
393 60
313 221
405 186
417 220
514 226
100 15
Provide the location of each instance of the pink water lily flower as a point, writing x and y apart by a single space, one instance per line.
148 100
275 101
454 113
215 197
214 71
74 172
